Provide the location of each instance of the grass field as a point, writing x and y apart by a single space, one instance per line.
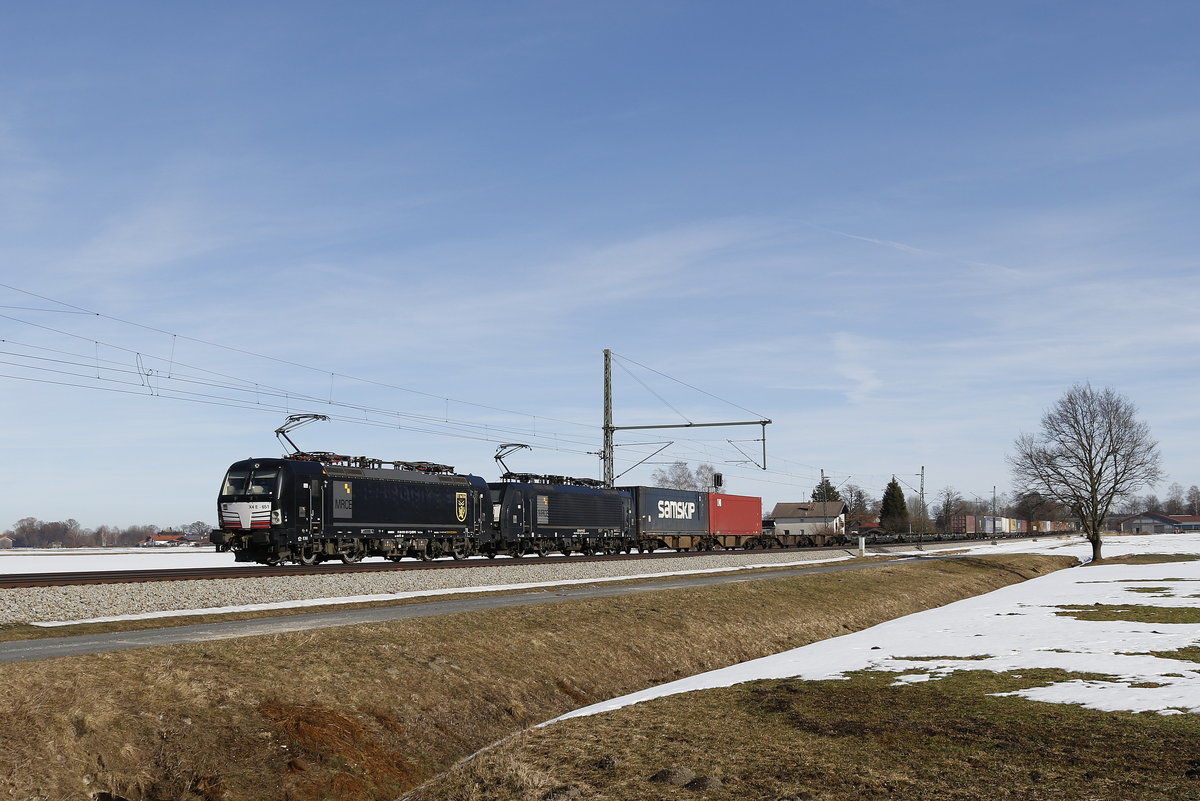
850 740
371 711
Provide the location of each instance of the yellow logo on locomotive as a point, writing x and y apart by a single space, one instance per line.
460 506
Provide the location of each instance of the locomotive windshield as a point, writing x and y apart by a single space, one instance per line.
250 482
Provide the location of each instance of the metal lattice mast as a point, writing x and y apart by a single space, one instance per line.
607 451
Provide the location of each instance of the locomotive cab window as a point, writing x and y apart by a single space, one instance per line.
262 482
246 482
235 482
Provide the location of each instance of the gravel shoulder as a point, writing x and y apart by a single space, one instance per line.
98 601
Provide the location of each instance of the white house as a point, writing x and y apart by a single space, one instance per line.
808 519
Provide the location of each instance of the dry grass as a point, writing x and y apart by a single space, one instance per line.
1134 613
844 741
369 711
1190 653
1146 559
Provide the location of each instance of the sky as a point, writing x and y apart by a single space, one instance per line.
899 231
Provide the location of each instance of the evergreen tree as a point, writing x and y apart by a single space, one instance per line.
893 512
825 491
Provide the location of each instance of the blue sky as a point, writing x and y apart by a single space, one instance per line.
899 230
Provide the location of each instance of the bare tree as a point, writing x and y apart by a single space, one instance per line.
1090 452
1175 502
1031 505
706 479
946 505
859 501
918 513
680 476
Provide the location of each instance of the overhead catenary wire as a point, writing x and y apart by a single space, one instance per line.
689 386
182 381
119 376
81 310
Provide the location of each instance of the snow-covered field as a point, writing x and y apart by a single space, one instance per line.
95 560
1016 628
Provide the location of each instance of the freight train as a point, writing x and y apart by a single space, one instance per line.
313 507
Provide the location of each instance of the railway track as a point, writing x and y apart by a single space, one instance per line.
15 581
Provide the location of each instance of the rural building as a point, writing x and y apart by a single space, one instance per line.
162 540
1148 523
1187 522
807 519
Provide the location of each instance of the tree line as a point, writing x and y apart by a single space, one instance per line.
29 532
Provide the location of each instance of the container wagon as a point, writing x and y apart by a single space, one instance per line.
670 518
734 521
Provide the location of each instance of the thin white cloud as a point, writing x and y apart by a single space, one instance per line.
157 235
989 267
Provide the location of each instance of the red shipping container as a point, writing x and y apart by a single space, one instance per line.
734 514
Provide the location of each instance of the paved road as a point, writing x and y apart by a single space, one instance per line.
26 650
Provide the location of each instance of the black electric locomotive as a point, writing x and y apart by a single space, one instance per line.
541 514
312 507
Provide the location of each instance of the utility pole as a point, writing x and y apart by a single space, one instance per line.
924 508
607 451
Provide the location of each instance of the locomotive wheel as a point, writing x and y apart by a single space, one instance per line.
351 558
565 550
307 557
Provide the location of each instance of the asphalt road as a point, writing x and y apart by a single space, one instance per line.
51 647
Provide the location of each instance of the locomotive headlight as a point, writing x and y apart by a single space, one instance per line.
276 517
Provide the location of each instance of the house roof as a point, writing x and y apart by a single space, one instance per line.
810 509
1153 515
